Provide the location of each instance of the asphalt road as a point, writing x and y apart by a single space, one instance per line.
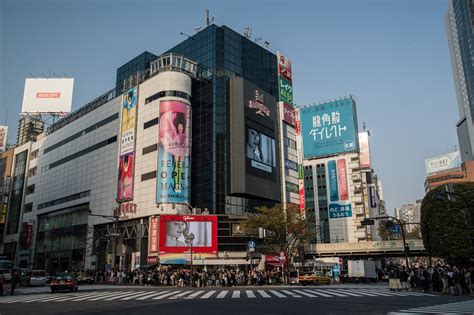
240 300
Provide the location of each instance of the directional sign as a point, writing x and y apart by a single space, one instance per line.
395 229
251 246
367 222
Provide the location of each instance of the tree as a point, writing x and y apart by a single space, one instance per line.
384 230
446 224
286 231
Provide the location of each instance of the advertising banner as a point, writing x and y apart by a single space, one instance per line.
174 153
177 231
286 90
443 162
329 128
260 151
372 197
342 176
284 66
289 115
332 177
154 235
3 137
291 165
364 150
125 185
337 211
291 187
302 200
50 95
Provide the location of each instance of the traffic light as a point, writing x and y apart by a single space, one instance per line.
367 222
407 248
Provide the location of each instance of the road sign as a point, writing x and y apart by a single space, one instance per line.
367 222
395 229
251 245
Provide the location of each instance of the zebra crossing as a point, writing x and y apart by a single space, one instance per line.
221 293
464 307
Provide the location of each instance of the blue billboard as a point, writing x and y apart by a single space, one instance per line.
329 128
332 175
340 211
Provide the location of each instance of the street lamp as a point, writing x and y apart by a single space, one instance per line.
189 241
115 234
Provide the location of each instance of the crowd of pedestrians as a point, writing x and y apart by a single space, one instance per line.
441 279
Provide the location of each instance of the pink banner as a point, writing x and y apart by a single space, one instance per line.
302 200
154 235
125 186
342 179
288 114
364 150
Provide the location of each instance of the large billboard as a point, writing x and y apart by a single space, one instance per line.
284 66
364 150
443 162
176 232
338 190
47 95
329 128
174 153
3 137
260 151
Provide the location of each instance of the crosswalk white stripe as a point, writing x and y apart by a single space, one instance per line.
51 299
455 307
318 292
277 294
236 294
134 296
208 294
37 298
220 296
73 297
174 297
18 298
192 296
377 293
250 294
264 294
151 295
100 297
119 295
95 296
165 295
362 292
305 293
291 293
336 292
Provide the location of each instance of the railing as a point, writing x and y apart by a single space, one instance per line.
364 247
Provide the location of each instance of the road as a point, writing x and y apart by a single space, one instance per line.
362 299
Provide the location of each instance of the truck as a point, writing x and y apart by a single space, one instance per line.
361 271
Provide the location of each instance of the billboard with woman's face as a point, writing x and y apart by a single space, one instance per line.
178 231
174 153
260 151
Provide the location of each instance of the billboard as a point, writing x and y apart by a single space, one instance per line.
338 191
329 128
154 235
174 153
284 66
260 151
285 90
372 197
289 114
125 185
443 162
364 150
47 95
175 232
3 137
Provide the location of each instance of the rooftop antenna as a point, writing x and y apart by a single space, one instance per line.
266 43
208 21
363 126
248 32
184 34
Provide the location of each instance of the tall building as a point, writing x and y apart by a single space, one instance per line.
410 213
459 20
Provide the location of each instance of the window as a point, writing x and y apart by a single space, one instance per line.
34 154
148 176
150 123
28 207
150 149
30 189
33 171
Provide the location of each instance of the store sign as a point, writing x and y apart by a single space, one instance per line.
259 104
154 235
125 209
443 162
342 176
284 66
289 114
286 90
364 150
291 165
152 260
238 229
337 211
3 215
373 200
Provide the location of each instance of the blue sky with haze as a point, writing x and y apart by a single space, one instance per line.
391 55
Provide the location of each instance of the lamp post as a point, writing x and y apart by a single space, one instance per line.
189 240
405 247
115 233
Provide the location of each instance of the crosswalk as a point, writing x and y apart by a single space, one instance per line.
221 293
464 307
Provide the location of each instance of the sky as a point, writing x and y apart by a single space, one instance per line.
391 55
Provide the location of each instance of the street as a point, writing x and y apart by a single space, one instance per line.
365 299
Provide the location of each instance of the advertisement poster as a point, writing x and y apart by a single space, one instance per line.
260 150
154 235
289 114
3 137
372 197
284 66
443 162
302 200
174 153
342 176
286 90
47 95
337 211
364 150
332 177
329 128
125 186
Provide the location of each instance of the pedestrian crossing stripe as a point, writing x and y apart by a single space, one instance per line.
205 294
464 307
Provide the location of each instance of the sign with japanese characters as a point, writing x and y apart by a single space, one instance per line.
286 90
329 128
443 162
340 211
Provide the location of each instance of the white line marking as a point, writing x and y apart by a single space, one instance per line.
101 297
291 293
277 294
221 295
120 295
361 292
304 293
264 294
208 294
338 293
318 292
134 296
70 298
174 297
192 296
165 295
236 294
250 294
151 295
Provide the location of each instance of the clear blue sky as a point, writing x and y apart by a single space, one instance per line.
392 55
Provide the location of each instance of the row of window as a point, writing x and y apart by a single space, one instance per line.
81 133
55 202
161 94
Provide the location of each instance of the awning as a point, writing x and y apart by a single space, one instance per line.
148 266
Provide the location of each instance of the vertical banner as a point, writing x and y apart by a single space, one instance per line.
373 200
127 145
3 137
174 153
342 175
153 238
332 176
364 150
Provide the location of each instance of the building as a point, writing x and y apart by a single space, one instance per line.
100 176
6 161
410 214
459 27
463 173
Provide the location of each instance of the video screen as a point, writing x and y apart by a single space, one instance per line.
261 150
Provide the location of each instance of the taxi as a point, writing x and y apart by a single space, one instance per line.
316 277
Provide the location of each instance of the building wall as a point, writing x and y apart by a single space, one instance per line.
458 175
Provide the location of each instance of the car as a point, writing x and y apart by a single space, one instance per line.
315 277
33 277
65 282
294 277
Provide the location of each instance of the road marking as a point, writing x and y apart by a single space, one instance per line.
360 292
100 297
236 294
305 293
291 293
250 294
220 296
135 296
51 299
192 296
318 292
72 297
151 295
277 294
103 294
165 295
119 295
464 307
208 294
264 294
377 293
180 295
16 298
337 293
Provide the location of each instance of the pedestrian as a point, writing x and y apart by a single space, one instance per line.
2 282
15 280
